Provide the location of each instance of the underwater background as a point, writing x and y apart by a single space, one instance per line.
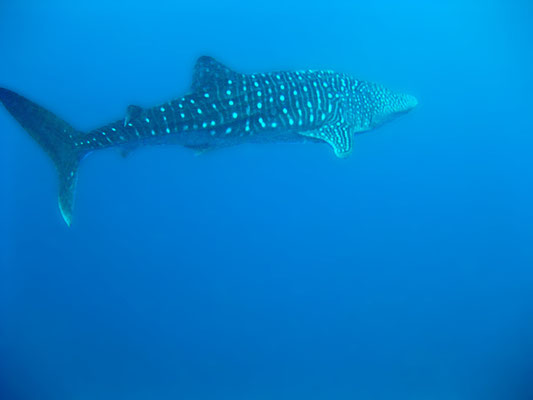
272 271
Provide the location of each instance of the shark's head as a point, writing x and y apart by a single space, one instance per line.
385 104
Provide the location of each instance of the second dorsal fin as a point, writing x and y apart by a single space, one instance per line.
209 73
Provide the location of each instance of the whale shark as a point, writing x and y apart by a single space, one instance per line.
223 108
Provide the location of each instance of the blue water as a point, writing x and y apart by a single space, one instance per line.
272 271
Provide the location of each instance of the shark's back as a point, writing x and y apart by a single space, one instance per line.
226 107
306 104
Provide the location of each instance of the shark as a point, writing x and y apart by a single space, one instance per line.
223 108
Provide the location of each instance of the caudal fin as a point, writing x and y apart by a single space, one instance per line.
56 137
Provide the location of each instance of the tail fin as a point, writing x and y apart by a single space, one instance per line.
56 137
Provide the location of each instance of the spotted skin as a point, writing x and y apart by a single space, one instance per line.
226 108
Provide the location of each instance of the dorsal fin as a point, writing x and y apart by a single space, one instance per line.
209 73
132 112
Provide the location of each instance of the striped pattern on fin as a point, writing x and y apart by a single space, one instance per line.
340 138
208 72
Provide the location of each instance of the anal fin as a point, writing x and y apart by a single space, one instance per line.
127 150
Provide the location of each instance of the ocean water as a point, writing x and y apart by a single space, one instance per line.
272 271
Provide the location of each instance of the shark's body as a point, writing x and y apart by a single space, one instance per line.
224 108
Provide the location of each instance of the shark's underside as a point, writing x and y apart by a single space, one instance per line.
223 108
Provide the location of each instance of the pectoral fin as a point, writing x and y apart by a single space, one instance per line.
337 136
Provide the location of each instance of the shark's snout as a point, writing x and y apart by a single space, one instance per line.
390 105
412 101
405 103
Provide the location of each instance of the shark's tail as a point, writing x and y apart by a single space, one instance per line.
56 137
